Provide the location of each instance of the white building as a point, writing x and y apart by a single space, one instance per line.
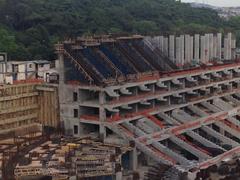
23 70
3 61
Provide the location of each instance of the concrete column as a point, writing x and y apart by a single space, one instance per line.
172 48
233 50
207 49
102 114
169 89
2 72
136 93
165 47
187 48
214 47
191 49
219 46
226 49
161 43
154 41
133 159
182 47
169 101
210 46
229 46
196 47
61 89
81 129
178 52
203 58
61 69
119 176
222 131
153 91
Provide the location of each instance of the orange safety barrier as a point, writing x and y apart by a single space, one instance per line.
147 77
200 69
73 82
89 117
193 145
78 83
28 81
115 117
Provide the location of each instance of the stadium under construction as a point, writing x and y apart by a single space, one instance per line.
167 104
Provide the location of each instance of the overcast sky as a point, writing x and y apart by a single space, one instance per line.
217 2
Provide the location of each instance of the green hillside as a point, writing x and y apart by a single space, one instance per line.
29 28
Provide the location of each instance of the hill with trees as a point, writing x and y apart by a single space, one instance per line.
29 28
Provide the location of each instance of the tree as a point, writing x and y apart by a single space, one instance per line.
7 42
34 26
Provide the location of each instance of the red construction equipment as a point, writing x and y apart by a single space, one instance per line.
28 81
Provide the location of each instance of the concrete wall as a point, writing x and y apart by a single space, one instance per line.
21 75
2 71
42 68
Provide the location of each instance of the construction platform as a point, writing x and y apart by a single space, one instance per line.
126 90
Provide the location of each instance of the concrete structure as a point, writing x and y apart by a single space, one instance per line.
197 47
3 61
190 50
182 47
172 48
125 89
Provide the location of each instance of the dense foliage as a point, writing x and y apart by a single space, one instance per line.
29 28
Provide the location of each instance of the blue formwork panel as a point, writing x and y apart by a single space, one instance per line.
107 178
105 66
72 73
117 61
139 60
96 63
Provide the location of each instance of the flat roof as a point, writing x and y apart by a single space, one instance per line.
34 61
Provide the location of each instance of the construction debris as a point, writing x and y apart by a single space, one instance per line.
60 158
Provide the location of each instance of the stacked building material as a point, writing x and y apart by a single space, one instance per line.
61 158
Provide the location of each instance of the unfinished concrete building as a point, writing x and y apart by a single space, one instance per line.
126 90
